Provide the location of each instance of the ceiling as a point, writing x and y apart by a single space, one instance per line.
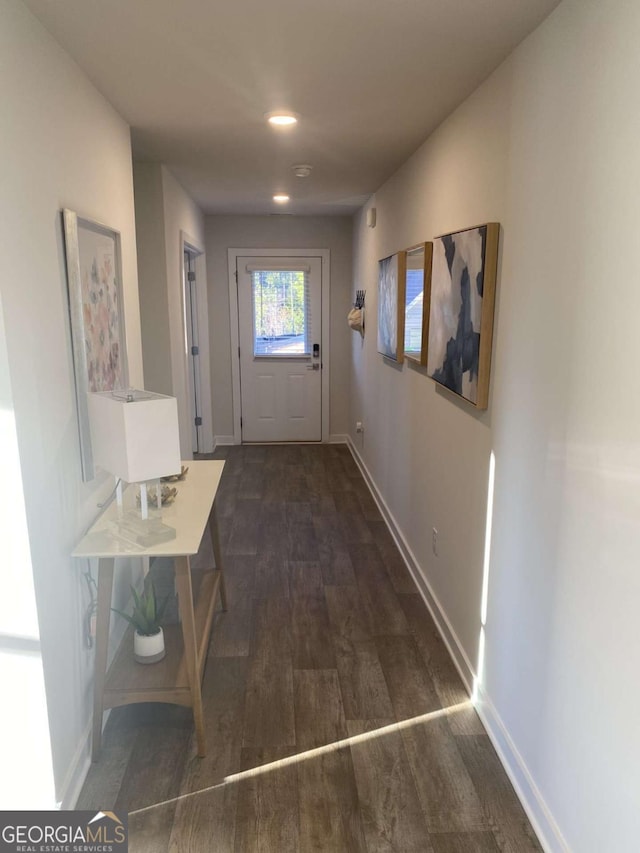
370 79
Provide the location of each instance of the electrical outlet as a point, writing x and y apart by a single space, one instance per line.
359 426
434 541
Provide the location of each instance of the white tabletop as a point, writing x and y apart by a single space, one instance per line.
188 515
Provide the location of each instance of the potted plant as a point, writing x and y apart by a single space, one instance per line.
148 638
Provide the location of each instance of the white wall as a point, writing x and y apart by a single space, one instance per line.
152 276
25 743
166 217
548 146
183 218
273 232
61 146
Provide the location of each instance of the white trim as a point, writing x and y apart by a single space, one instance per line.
77 773
337 438
223 441
460 659
543 822
286 265
539 814
206 408
325 256
81 762
232 258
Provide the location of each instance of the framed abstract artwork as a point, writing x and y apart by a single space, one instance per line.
417 292
391 306
94 282
463 283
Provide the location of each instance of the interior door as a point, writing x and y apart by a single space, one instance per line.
280 331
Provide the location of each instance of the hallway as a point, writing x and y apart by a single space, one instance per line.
336 720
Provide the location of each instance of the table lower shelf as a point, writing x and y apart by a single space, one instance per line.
128 681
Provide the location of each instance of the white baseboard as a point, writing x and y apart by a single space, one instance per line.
78 770
81 761
539 815
223 441
338 438
228 440
543 822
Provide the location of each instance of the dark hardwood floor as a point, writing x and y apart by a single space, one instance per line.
336 720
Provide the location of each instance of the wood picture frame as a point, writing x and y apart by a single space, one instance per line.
391 283
96 313
463 285
417 295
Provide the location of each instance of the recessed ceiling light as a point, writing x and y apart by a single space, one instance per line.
281 198
282 119
302 170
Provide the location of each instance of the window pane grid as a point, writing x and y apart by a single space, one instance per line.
281 310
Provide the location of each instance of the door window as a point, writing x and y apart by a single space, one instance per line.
281 308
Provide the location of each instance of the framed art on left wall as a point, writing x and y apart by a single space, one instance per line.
94 282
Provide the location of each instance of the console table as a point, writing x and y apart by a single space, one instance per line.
177 678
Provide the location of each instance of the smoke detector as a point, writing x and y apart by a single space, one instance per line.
303 170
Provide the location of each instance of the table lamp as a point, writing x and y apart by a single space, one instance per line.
135 437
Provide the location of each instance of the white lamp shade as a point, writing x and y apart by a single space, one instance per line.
135 439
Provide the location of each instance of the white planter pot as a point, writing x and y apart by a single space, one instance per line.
148 649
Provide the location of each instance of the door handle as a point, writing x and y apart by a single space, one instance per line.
313 367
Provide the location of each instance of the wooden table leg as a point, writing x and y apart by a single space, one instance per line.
217 553
185 603
103 615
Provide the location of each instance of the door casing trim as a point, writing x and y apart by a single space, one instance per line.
325 256
189 243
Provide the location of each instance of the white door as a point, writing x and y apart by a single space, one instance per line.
280 328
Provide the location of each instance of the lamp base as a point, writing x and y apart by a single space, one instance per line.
143 531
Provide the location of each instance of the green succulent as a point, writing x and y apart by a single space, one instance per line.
146 614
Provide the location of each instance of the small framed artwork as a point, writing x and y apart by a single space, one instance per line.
463 284
390 307
94 281
417 292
